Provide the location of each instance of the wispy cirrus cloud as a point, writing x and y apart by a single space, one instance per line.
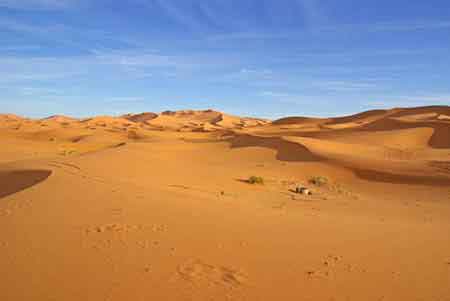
177 11
12 24
130 58
410 100
289 34
410 26
19 48
38 4
343 86
291 98
39 91
124 99
275 94
312 13
126 64
61 34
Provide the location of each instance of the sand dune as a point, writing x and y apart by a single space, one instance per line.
158 207
16 180
142 117
202 121
379 121
60 119
286 150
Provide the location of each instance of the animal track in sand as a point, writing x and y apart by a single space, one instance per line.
64 164
6 212
125 228
114 228
179 186
331 265
159 228
147 244
281 205
200 273
116 211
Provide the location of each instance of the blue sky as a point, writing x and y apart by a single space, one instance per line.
266 58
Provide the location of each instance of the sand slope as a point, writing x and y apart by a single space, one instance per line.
157 207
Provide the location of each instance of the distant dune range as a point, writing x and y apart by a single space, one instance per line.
92 134
159 207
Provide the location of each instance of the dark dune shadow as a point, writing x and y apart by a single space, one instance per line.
17 180
295 120
356 117
385 177
440 138
286 150
423 110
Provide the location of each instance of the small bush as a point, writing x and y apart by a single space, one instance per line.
68 152
318 181
255 180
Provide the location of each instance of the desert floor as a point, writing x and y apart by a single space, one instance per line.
157 207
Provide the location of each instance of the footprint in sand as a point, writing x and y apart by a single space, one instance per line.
117 211
201 273
6 212
333 265
179 186
114 228
159 228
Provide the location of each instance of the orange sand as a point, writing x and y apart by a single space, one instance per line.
156 207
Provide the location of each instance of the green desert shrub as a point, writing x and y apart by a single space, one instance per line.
255 180
318 181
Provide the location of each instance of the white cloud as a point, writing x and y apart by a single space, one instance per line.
410 26
410 100
312 14
174 10
99 64
290 98
124 99
246 74
16 48
405 26
38 91
343 86
134 59
38 4
275 94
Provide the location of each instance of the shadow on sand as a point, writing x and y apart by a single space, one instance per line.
17 180
286 150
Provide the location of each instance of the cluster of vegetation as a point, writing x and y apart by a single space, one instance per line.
255 180
68 152
318 181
